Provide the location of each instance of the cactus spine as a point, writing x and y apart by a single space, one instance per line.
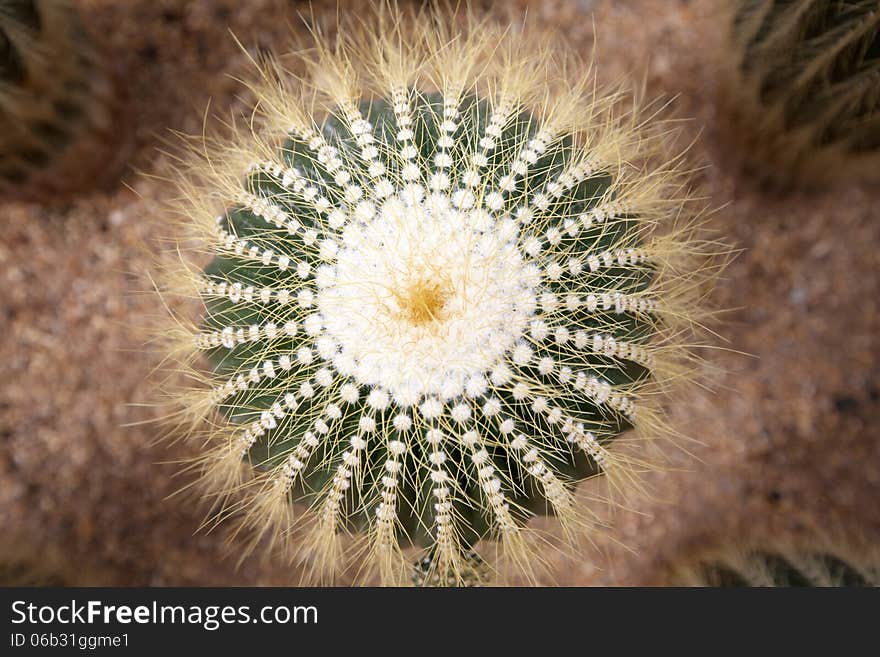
443 281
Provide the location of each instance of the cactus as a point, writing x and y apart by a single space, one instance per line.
776 567
22 565
29 573
802 88
446 276
60 108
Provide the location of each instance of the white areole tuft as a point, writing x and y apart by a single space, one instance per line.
425 299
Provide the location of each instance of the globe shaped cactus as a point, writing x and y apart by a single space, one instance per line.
446 274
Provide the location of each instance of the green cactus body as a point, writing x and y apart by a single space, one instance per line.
60 108
430 312
613 280
804 89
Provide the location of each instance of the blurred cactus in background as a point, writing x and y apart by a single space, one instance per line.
777 567
61 108
801 88
23 565
447 273
29 573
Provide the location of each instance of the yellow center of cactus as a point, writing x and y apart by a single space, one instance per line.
423 301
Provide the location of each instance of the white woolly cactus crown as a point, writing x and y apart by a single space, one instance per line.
442 281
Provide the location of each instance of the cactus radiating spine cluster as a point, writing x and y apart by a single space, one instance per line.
804 92
444 279
59 106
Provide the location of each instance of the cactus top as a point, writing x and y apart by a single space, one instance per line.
433 304
424 299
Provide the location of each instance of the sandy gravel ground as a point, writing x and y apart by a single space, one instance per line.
788 442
